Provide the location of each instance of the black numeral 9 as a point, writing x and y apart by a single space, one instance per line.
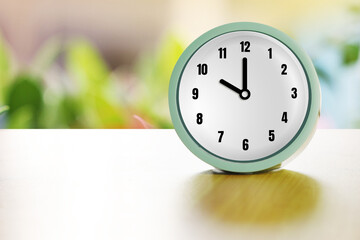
195 93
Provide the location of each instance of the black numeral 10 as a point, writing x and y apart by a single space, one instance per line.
202 69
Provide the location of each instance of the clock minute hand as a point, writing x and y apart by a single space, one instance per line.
244 73
229 85
244 92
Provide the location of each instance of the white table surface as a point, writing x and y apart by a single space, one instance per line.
145 184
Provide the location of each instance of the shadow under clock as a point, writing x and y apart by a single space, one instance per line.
266 198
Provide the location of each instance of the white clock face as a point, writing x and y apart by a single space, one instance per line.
243 96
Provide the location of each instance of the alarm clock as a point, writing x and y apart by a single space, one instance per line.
244 97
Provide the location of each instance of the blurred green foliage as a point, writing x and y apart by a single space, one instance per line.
154 72
25 102
70 85
350 53
4 69
86 93
3 109
96 102
337 64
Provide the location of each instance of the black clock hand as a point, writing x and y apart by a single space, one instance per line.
244 73
244 92
229 85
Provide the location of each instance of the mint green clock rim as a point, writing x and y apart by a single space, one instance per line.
298 140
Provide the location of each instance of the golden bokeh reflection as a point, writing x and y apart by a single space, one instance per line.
265 198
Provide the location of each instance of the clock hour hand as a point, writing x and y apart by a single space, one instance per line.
229 85
244 94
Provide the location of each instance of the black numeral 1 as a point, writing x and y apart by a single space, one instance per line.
222 52
270 53
245 144
221 135
284 117
202 69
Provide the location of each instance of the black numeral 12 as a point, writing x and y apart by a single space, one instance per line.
245 45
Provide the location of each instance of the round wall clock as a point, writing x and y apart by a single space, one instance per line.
244 97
